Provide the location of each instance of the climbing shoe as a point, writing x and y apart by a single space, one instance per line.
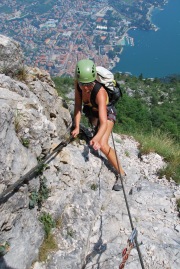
118 186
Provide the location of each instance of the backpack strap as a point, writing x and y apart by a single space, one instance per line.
94 92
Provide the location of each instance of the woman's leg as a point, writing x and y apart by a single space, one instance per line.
108 151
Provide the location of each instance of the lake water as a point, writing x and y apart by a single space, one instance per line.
155 53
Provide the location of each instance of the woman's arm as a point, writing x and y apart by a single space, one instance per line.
77 110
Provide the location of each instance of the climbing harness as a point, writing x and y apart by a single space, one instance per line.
132 241
34 170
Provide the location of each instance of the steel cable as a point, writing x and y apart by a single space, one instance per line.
127 206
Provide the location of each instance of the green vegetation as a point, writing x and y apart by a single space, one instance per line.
127 153
39 7
38 197
48 223
149 105
48 245
94 187
41 168
63 85
33 199
21 74
4 248
165 146
25 142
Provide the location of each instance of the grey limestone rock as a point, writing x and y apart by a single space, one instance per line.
32 122
11 56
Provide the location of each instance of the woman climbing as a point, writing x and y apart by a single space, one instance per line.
101 114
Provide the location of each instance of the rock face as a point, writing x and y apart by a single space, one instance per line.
32 121
92 220
11 56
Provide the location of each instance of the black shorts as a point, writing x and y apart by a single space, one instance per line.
91 112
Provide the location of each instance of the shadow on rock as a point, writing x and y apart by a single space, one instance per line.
98 249
3 264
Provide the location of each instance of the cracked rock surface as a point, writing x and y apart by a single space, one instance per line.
99 220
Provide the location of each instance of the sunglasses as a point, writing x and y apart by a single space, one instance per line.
85 84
